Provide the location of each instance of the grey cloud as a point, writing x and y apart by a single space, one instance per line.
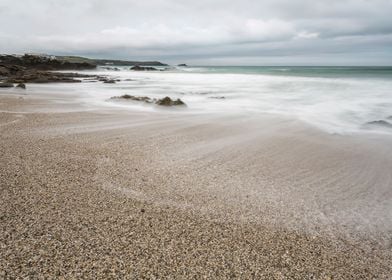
203 31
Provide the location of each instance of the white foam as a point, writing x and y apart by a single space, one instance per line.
336 105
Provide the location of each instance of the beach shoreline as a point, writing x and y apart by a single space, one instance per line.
112 192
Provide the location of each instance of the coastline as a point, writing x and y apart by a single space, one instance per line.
137 194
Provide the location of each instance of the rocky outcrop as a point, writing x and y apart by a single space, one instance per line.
35 69
135 98
166 101
111 68
143 68
21 85
42 62
182 65
4 71
20 74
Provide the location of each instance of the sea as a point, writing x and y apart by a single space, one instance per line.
341 100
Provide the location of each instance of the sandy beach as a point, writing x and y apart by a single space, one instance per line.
115 193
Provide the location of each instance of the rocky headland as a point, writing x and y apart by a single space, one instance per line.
31 68
38 69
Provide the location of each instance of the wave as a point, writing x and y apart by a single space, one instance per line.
344 104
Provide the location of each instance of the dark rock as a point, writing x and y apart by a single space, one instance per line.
134 98
21 85
15 81
18 74
380 123
182 65
4 71
167 101
111 68
109 82
6 85
53 79
179 102
34 69
142 68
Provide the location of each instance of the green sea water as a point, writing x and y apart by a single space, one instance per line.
302 71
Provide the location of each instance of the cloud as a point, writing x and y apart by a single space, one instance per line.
307 35
200 30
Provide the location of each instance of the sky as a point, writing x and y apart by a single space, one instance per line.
203 32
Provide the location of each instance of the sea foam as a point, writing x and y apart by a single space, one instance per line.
337 100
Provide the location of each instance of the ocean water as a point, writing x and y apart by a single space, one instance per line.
334 99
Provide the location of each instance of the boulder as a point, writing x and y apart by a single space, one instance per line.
182 65
6 85
21 85
142 68
134 98
167 101
111 68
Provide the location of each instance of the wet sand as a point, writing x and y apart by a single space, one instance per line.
120 194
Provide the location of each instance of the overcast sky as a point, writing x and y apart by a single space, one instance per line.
204 32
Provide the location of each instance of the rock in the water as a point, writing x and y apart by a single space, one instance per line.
21 85
111 68
109 81
178 102
134 98
380 123
167 101
6 85
182 65
142 68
